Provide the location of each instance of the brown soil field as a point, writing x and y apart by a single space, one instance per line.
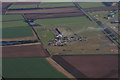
94 66
62 10
21 51
101 8
44 16
5 6
53 10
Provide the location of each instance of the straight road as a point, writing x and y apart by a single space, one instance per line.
110 33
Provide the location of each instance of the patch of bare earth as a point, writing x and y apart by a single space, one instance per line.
90 66
33 50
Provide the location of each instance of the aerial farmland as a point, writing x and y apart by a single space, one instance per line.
70 39
76 27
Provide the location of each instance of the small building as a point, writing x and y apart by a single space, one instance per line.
34 24
59 35
115 22
29 20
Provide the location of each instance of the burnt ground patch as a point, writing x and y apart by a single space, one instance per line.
21 51
95 66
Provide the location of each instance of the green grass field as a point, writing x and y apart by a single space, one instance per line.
55 4
80 26
17 32
29 68
16 29
14 24
23 6
11 17
73 23
45 35
90 4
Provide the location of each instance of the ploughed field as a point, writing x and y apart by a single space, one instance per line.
29 68
92 66
50 10
5 5
67 14
22 51
60 10
96 43
53 15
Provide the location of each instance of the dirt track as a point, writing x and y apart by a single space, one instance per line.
24 51
59 68
97 66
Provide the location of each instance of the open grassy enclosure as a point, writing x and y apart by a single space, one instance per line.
45 36
96 43
16 29
55 4
29 68
18 6
14 24
17 32
6 18
90 4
